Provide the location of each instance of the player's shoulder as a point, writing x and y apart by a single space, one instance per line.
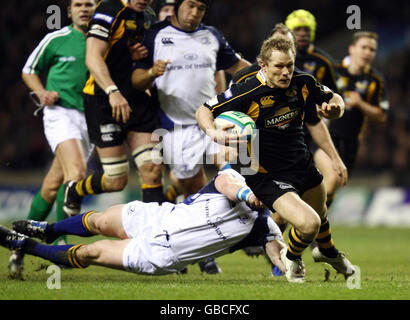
302 76
57 36
245 73
323 55
376 74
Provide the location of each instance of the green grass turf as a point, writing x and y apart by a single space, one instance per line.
383 255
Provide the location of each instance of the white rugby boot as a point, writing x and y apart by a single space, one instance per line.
341 264
295 269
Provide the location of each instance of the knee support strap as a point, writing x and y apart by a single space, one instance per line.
147 153
115 167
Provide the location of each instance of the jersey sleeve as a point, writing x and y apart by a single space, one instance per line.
234 98
226 56
381 98
317 94
41 58
103 19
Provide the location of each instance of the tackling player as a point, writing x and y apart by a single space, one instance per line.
221 218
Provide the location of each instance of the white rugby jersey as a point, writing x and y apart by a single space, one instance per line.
209 224
189 80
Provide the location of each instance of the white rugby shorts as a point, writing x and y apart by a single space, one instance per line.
61 124
148 251
184 148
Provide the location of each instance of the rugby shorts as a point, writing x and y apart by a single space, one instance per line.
105 131
186 148
62 124
148 252
268 187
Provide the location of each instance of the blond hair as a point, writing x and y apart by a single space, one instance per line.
281 44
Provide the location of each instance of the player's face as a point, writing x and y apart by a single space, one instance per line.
302 35
139 5
80 12
190 14
362 53
278 70
165 11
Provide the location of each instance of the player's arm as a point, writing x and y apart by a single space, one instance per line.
242 63
236 190
142 79
33 82
320 135
333 109
272 249
96 49
372 112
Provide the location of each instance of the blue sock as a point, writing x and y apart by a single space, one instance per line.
56 254
73 225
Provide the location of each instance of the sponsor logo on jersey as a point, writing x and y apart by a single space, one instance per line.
267 102
309 67
282 118
104 17
361 86
167 41
228 94
131 24
67 59
190 56
282 185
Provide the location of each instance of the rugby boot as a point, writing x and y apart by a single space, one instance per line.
34 229
340 263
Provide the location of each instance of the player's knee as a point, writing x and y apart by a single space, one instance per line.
87 254
116 171
310 226
151 173
77 173
146 154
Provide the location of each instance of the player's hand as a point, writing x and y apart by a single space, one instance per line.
341 170
353 99
48 98
255 202
329 110
159 68
120 107
222 136
138 51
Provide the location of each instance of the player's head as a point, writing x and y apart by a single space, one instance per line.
277 61
363 47
189 13
166 8
80 12
303 24
281 30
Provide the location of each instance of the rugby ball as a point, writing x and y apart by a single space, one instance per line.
243 124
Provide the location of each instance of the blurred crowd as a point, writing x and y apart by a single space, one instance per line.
245 24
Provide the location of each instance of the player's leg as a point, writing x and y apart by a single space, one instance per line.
326 250
43 201
107 223
331 179
148 160
107 253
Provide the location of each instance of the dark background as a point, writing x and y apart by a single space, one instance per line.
245 24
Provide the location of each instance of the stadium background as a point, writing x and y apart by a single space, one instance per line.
377 194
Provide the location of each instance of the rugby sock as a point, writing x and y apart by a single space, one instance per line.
39 209
61 255
172 194
90 185
324 240
60 215
75 225
296 245
152 193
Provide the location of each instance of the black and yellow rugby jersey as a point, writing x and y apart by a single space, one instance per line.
371 87
120 26
319 64
278 114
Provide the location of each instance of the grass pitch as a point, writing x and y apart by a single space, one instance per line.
383 255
